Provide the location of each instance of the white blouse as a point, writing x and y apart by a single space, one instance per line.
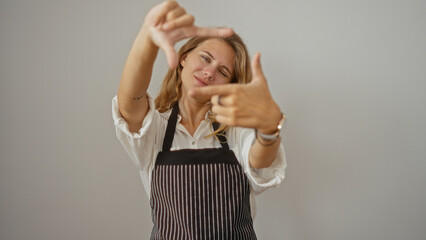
144 146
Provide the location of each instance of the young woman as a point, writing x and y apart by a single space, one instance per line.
212 139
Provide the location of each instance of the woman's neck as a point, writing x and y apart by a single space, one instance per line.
192 113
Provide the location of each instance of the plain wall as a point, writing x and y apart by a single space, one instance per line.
350 75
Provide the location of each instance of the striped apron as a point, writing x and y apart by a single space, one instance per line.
199 193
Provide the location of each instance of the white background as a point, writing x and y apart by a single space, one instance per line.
350 75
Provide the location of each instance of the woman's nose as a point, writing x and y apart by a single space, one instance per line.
208 73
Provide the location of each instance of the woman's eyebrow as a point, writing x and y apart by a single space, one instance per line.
208 53
225 67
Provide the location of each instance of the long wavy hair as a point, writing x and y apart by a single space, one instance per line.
171 89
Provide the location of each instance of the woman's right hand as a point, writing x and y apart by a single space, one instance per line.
167 23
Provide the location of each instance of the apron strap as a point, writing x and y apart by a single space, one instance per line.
171 128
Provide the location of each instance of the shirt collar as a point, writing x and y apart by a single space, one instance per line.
206 117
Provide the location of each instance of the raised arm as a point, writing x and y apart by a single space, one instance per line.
164 25
136 76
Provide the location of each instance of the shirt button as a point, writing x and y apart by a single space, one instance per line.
193 143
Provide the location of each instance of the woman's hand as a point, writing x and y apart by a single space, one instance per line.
244 105
167 23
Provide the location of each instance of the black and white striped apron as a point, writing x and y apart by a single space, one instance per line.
199 193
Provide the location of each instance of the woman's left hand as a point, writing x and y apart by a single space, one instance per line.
245 105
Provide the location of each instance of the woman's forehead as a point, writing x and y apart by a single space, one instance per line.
216 45
219 49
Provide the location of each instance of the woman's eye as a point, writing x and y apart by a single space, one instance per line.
223 73
205 58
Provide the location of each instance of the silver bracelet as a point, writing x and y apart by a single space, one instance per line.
275 135
270 142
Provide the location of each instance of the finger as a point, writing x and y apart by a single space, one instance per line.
175 13
160 11
228 120
192 31
171 55
213 32
182 21
224 100
225 120
257 68
245 122
204 94
216 100
206 32
225 111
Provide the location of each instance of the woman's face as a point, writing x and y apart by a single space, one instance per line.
210 63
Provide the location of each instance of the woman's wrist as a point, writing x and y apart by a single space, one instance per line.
144 49
271 126
273 132
144 37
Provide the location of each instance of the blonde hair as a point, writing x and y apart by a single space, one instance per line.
171 89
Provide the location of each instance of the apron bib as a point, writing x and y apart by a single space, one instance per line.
199 193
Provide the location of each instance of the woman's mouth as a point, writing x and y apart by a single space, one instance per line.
200 81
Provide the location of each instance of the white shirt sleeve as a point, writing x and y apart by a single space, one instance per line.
143 146
260 179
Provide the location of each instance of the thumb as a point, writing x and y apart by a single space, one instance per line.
257 69
171 55
159 38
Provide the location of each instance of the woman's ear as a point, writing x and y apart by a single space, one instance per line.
183 60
